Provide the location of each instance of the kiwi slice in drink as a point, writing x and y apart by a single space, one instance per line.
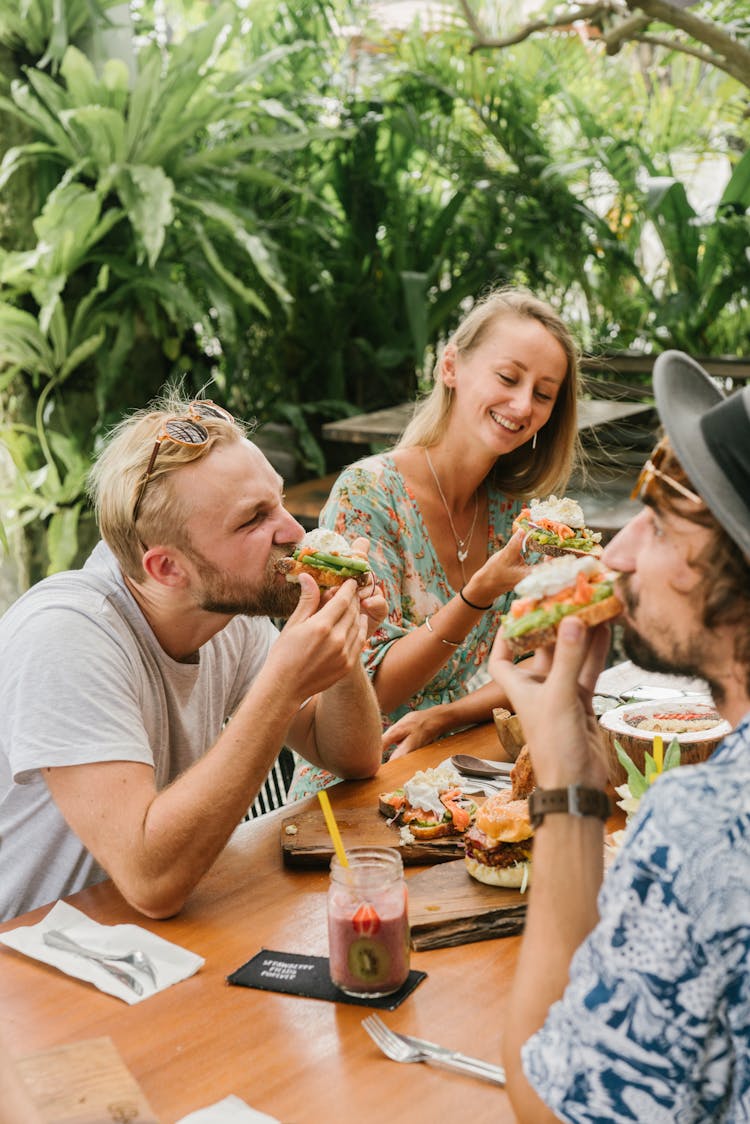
369 960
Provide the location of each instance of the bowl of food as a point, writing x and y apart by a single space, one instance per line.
695 723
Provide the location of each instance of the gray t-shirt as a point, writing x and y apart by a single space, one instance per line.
85 680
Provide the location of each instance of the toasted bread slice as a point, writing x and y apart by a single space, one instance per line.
326 578
598 612
418 830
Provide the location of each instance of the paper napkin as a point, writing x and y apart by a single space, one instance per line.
171 962
475 786
232 1110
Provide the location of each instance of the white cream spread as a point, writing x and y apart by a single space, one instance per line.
550 577
424 788
330 542
562 510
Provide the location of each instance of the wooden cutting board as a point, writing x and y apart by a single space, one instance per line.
84 1083
448 907
305 841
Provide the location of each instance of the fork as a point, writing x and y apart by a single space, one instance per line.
137 959
403 1048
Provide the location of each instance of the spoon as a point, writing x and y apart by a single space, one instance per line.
475 767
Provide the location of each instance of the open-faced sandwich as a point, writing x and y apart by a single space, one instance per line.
430 805
498 844
556 526
328 558
553 590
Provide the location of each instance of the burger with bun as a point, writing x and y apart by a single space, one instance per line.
328 558
553 590
498 844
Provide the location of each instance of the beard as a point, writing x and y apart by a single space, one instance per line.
233 596
667 652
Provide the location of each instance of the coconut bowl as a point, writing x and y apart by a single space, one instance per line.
635 725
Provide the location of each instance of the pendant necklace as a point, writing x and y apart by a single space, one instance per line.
462 545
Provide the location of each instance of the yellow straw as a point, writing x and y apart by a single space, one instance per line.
333 827
658 752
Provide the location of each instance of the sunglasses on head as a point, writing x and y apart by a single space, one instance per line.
651 470
184 429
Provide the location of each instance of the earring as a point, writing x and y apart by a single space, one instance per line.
533 442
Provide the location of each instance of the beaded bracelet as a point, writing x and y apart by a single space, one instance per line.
479 608
450 643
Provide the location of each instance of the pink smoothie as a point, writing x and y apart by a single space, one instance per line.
368 941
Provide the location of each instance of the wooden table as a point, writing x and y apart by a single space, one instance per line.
387 425
303 1061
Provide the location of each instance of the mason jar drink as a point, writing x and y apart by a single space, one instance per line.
368 923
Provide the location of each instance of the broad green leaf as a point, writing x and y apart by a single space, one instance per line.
673 755
33 113
62 538
116 82
16 158
58 335
81 353
415 297
17 268
144 100
84 88
46 293
49 92
736 193
99 134
228 278
637 782
22 343
146 193
82 317
675 220
253 246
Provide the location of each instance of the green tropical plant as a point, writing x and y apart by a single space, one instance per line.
434 189
147 251
41 30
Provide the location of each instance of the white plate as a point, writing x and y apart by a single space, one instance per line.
619 721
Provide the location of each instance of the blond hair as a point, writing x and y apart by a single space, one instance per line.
527 471
117 475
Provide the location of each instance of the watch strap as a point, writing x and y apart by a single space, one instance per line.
575 800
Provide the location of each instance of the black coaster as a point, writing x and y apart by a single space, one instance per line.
297 974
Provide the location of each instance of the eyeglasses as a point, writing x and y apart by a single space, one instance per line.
650 470
183 430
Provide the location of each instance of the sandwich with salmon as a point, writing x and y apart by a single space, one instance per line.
556 526
553 590
328 558
431 805
498 844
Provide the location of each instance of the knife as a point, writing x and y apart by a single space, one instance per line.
494 1073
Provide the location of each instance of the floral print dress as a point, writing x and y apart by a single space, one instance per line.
371 498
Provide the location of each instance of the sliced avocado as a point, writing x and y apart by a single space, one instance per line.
543 618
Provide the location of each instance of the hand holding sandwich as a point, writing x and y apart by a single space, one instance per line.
552 693
499 574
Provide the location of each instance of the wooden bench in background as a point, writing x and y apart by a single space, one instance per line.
617 425
305 500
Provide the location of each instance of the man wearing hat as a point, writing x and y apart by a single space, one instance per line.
632 996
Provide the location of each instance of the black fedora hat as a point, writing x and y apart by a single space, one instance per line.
710 434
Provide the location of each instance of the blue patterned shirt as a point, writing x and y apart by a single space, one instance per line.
654 1025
